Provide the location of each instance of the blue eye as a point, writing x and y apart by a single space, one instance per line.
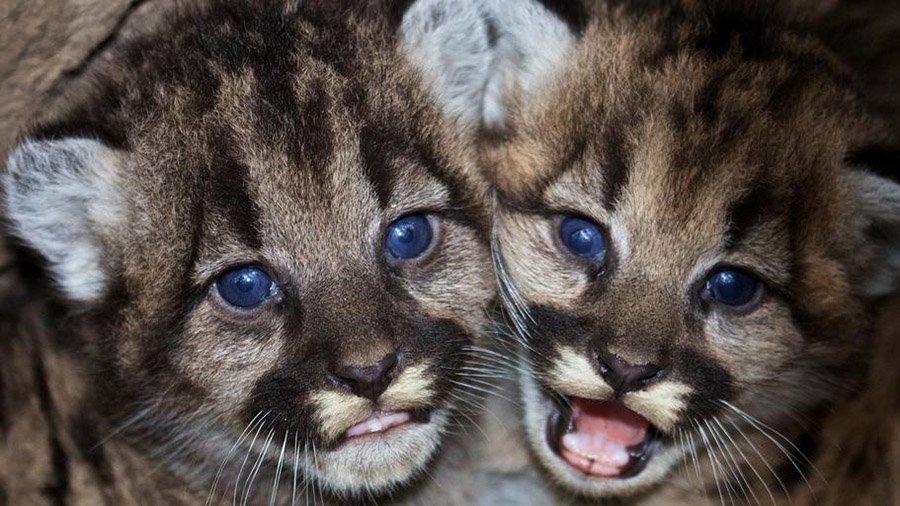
245 286
583 238
408 237
732 287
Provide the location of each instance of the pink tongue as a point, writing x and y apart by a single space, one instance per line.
603 432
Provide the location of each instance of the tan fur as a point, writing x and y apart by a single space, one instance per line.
295 157
698 131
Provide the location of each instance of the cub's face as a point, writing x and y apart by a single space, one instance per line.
282 259
683 249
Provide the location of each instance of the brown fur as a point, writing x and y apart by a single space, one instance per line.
701 134
283 134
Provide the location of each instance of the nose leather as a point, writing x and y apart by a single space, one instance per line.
369 381
625 377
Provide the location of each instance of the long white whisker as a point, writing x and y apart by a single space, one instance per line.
246 432
237 482
248 485
734 482
278 471
764 461
296 465
742 479
713 463
696 459
759 426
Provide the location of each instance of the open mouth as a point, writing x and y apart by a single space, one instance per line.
604 439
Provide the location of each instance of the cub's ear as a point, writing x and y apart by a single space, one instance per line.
480 55
879 207
62 199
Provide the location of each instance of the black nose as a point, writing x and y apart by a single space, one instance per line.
625 377
370 381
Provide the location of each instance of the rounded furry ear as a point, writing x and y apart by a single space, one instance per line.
61 199
477 53
879 206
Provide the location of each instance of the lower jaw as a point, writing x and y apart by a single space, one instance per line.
369 463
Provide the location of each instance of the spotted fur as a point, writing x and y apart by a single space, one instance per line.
700 134
279 133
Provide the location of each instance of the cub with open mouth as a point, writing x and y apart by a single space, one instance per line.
690 233
253 264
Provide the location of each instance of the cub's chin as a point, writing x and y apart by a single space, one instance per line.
379 453
595 448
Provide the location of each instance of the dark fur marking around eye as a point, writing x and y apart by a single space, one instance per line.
229 193
744 214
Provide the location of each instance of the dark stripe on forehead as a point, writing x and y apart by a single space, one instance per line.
376 147
706 105
745 213
228 193
301 128
616 160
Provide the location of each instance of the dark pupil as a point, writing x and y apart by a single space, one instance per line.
245 282
581 241
733 288
405 233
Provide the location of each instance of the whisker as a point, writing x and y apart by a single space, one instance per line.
278 471
696 459
244 463
713 463
257 419
744 483
248 485
735 481
760 427
764 461
296 466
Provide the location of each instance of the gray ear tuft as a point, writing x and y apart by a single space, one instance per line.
880 212
61 196
476 53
